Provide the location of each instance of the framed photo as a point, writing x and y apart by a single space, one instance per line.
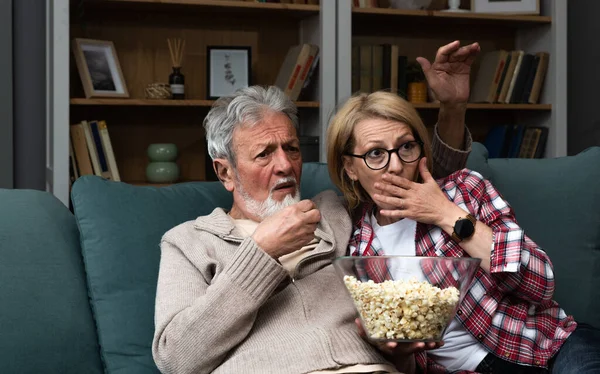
99 68
506 6
227 69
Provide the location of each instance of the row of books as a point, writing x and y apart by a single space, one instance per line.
91 151
516 141
297 69
510 77
377 67
312 2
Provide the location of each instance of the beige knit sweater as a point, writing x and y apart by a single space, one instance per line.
225 306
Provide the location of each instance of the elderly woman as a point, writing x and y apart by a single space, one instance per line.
379 156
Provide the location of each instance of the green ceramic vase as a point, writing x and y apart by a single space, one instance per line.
165 152
162 167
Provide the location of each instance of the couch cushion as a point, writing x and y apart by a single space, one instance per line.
315 179
121 226
46 324
557 202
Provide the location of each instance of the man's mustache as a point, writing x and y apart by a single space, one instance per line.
285 180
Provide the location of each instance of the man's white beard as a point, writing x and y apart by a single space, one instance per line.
270 206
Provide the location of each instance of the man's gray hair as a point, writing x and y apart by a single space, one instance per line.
246 106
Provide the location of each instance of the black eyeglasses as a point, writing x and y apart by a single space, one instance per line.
379 158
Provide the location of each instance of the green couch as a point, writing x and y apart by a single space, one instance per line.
77 291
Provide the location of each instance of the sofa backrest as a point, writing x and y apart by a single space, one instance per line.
557 202
46 324
121 227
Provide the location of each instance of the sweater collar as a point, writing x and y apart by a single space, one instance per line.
219 223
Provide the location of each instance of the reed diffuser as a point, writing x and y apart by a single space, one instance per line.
176 79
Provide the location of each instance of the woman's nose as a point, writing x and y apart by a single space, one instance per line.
395 166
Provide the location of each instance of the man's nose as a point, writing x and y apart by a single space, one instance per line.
395 166
283 164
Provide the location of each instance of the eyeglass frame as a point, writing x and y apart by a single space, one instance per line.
389 151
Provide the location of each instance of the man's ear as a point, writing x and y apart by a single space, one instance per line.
349 168
225 173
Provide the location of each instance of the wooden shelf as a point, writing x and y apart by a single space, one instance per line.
465 16
486 106
148 184
300 10
177 103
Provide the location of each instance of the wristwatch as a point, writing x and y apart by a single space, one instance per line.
464 228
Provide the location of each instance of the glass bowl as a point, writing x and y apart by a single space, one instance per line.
404 298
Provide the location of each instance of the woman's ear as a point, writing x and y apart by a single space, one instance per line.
225 173
349 168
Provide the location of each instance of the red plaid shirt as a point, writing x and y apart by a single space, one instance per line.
509 310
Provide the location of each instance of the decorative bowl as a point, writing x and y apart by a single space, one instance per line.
404 298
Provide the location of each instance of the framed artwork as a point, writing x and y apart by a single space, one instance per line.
227 69
99 68
506 6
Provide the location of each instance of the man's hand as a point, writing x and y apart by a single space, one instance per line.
448 76
400 354
423 202
288 230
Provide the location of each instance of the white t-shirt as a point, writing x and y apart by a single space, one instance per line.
461 351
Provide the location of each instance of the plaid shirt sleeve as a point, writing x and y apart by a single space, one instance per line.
519 266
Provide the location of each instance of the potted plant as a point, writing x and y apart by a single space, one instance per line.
417 85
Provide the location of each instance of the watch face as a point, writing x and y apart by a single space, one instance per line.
464 228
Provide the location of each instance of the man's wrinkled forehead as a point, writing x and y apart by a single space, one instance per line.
263 134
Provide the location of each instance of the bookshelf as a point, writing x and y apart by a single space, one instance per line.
422 32
139 29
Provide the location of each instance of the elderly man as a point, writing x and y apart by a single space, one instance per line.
252 289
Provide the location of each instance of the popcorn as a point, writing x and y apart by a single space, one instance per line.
403 309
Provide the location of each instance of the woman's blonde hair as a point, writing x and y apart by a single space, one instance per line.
340 140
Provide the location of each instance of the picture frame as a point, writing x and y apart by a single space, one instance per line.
523 7
99 68
228 68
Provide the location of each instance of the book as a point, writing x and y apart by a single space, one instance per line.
488 76
291 67
390 68
519 86
541 146
91 148
514 140
95 132
496 140
365 68
80 149
402 80
513 80
376 67
355 68
306 64
502 78
73 170
540 77
530 141
515 56
529 82
108 151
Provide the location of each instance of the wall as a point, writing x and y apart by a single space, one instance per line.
6 111
583 77
29 94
